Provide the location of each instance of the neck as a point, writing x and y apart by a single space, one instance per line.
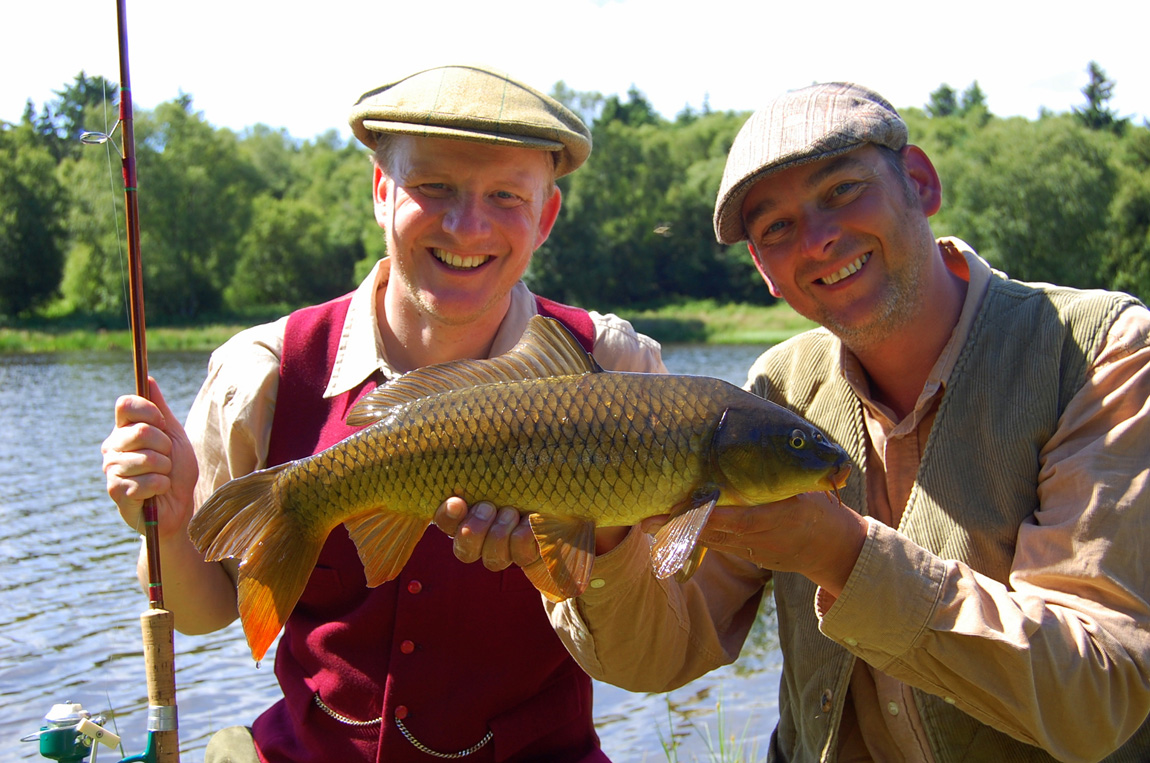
899 365
413 339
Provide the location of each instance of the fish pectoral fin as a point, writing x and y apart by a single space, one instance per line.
384 541
540 577
692 563
676 542
567 546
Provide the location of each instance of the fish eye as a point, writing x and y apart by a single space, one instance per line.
798 440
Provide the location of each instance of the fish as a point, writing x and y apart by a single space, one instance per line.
542 428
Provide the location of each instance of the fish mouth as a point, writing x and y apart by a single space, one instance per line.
460 261
847 270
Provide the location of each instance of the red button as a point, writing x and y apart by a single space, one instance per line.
401 712
407 647
414 586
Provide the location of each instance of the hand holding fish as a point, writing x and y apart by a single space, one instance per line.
498 538
812 533
148 455
501 538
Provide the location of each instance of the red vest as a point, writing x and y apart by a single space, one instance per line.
451 649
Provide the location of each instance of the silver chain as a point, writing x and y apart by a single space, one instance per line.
344 718
435 754
406 734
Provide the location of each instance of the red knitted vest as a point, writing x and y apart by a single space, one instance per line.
452 649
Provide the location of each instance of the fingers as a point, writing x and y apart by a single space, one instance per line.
498 538
449 514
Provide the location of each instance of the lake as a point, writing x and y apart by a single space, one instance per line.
70 604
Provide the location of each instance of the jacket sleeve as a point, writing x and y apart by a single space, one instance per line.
643 634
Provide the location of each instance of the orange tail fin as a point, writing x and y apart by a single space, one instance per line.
244 520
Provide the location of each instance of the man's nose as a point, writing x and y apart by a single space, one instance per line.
467 217
819 230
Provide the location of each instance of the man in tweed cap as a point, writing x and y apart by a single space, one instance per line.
978 591
449 660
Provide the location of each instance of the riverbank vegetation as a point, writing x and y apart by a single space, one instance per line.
238 227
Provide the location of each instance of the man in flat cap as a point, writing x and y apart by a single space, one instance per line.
448 660
981 592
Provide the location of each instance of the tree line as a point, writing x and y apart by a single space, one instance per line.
234 223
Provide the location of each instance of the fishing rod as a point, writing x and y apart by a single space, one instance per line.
70 730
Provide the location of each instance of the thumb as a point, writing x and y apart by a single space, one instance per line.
157 398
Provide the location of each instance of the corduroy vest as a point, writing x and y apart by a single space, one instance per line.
976 484
451 649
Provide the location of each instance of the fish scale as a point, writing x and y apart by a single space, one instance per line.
542 429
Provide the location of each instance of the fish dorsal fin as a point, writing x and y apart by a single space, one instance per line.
674 547
546 349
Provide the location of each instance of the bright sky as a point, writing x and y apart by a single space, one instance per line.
301 65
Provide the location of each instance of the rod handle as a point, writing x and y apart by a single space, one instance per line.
159 662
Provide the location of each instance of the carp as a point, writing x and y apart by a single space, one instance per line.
542 428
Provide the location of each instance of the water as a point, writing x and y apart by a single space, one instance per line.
70 604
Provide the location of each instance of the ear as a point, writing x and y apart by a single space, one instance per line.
763 272
379 196
548 216
924 178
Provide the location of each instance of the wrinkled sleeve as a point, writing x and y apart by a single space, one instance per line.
618 347
631 629
1060 656
643 634
230 420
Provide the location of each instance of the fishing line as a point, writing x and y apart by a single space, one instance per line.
105 138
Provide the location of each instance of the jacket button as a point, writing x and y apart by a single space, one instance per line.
401 711
407 647
828 700
414 586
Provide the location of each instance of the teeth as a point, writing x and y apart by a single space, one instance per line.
848 270
456 261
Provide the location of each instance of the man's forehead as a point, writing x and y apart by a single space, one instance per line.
416 154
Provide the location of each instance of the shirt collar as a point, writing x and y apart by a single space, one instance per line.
361 352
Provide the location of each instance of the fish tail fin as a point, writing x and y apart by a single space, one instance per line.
245 519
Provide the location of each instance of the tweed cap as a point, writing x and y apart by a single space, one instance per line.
473 103
798 127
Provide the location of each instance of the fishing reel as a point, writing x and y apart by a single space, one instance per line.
70 733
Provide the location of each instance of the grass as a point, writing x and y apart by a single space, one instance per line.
726 749
705 321
719 323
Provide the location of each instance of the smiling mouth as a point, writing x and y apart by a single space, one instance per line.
459 262
850 269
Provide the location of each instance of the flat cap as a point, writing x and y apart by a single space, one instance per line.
477 104
795 128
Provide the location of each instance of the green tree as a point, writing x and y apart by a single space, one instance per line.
1033 198
31 229
195 204
1127 264
284 257
943 101
972 98
1097 115
83 105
